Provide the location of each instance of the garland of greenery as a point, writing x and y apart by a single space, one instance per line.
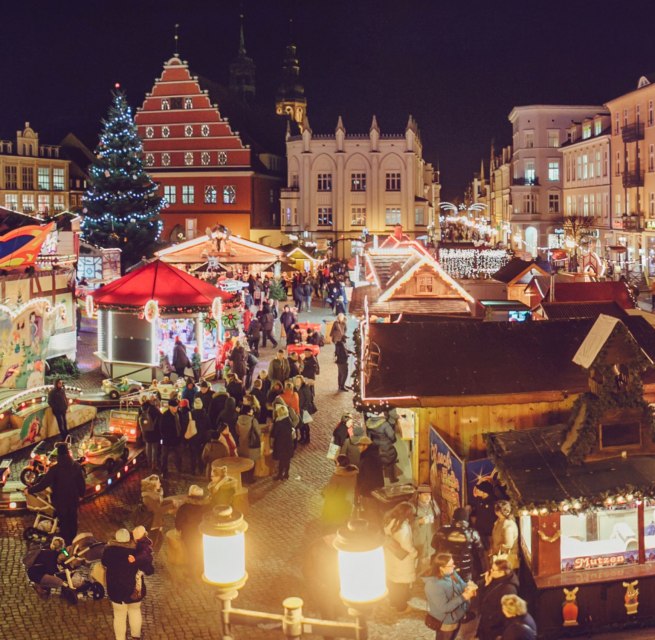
358 403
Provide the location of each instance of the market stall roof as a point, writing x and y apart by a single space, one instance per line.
537 473
579 310
618 292
517 271
170 286
486 358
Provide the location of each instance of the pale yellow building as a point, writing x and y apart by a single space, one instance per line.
500 193
633 173
34 179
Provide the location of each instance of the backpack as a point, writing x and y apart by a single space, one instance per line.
31 555
146 423
254 441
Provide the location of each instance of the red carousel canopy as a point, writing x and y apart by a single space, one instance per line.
172 288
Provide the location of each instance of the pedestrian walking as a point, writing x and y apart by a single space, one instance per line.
341 357
196 363
400 554
126 563
66 479
253 335
339 494
58 402
370 478
425 526
171 437
197 441
306 406
283 436
278 368
180 359
250 438
339 329
267 320
148 421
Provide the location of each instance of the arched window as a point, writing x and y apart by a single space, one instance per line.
165 105
229 194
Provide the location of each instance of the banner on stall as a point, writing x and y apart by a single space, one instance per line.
446 476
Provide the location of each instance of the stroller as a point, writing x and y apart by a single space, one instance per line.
78 569
46 523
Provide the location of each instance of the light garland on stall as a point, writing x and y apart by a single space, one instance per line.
471 263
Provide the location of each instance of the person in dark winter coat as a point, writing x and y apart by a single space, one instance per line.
293 335
520 625
287 320
58 402
310 368
234 387
238 360
483 516
283 437
294 365
66 479
266 318
343 430
187 520
339 494
196 443
499 581
341 356
306 404
278 368
371 476
258 391
148 420
254 334
350 448
171 437
338 330
190 391
205 394
464 543
126 587
180 359
381 431
217 405
229 417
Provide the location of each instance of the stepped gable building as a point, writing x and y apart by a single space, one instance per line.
210 170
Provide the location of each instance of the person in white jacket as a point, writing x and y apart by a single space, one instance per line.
400 554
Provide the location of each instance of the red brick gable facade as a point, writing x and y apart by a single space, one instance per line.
204 168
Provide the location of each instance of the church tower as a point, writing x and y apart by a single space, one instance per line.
242 72
290 100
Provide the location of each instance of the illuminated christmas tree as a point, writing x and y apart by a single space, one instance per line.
121 205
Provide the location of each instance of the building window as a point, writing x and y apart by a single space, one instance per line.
58 182
419 216
651 157
392 215
43 203
585 205
188 131
324 182
598 127
425 284
229 194
651 205
11 201
618 163
170 193
585 166
529 203
553 139
188 158
28 178
165 105
529 173
188 103
598 164
617 204
586 130
358 218
188 194
28 202
150 160
358 182
204 130
58 204
625 117
176 103
568 206
165 159
529 139
392 181
190 228
616 123
325 216
287 216
650 113
553 170
43 179
210 195
553 203
150 132
165 132
204 158
222 158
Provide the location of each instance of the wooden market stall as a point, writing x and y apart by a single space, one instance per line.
585 495
141 315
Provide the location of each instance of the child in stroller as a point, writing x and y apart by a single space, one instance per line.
66 568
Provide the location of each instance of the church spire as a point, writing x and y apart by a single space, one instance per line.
242 70
290 100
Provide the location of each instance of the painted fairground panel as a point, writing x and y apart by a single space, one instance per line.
446 476
649 530
599 539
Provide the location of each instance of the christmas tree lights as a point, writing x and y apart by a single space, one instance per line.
121 205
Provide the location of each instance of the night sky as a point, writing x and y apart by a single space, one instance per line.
459 67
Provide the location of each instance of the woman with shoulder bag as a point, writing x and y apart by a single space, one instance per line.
400 554
250 438
448 598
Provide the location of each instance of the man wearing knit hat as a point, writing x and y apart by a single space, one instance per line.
483 515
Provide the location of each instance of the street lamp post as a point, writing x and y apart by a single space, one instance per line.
361 576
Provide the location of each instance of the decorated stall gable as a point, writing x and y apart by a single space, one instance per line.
21 247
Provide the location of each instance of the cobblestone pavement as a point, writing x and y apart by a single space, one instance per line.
282 519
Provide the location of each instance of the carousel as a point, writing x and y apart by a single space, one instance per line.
143 314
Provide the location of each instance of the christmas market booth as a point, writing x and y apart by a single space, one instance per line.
584 493
141 315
